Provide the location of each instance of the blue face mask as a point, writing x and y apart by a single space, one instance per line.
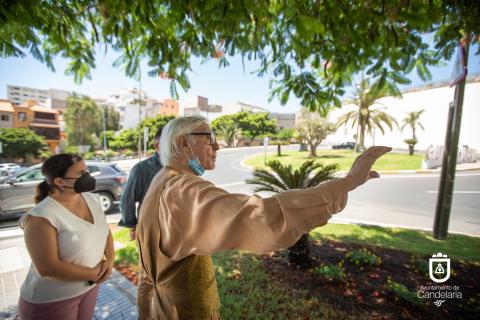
195 164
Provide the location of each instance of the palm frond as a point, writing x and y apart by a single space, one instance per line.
324 173
263 177
284 177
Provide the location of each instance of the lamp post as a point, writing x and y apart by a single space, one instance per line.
139 114
104 135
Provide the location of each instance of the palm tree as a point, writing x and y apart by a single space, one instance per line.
365 118
229 131
284 177
411 120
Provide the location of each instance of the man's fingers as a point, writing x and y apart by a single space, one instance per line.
379 151
372 154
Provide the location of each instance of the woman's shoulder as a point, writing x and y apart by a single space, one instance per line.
44 209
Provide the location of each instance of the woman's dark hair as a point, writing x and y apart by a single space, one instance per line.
54 167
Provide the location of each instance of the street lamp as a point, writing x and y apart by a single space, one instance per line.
104 134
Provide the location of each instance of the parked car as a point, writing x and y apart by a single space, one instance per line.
18 190
7 169
345 145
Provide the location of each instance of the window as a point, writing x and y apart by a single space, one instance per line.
22 116
49 133
5 117
93 169
44 115
34 175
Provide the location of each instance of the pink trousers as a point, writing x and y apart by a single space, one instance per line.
80 308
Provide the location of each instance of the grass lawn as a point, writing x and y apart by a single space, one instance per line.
344 158
458 247
250 289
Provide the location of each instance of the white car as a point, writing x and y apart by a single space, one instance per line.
7 169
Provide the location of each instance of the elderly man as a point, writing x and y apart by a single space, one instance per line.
184 219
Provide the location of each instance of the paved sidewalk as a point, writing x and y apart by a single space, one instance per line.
116 298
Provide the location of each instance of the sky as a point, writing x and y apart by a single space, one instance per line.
219 85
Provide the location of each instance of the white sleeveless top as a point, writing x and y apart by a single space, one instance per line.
79 241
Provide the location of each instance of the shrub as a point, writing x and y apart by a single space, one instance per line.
402 292
419 263
128 153
330 272
128 255
110 153
88 155
72 149
363 257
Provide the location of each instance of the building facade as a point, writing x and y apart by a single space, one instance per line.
127 103
43 121
284 120
435 100
51 98
6 114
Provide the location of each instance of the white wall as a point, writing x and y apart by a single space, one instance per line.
434 119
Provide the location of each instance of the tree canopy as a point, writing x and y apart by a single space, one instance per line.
366 118
226 127
308 48
312 129
253 125
83 120
19 142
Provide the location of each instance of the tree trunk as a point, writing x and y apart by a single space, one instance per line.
279 150
411 149
361 141
299 253
313 150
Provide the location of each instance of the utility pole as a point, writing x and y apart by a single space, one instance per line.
139 113
447 177
104 134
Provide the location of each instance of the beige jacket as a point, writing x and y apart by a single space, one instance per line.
184 219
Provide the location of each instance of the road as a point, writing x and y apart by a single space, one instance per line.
406 200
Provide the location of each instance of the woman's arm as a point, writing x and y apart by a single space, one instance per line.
42 245
107 265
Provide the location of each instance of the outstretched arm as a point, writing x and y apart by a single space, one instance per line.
199 218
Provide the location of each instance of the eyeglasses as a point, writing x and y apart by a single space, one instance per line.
213 139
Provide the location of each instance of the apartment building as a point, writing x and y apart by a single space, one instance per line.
43 121
51 98
6 114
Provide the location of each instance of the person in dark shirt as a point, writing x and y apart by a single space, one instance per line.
137 185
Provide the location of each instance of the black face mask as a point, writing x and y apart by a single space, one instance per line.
85 183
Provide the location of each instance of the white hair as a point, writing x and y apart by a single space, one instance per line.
175 128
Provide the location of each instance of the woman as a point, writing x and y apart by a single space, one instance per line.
69 242
184 219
